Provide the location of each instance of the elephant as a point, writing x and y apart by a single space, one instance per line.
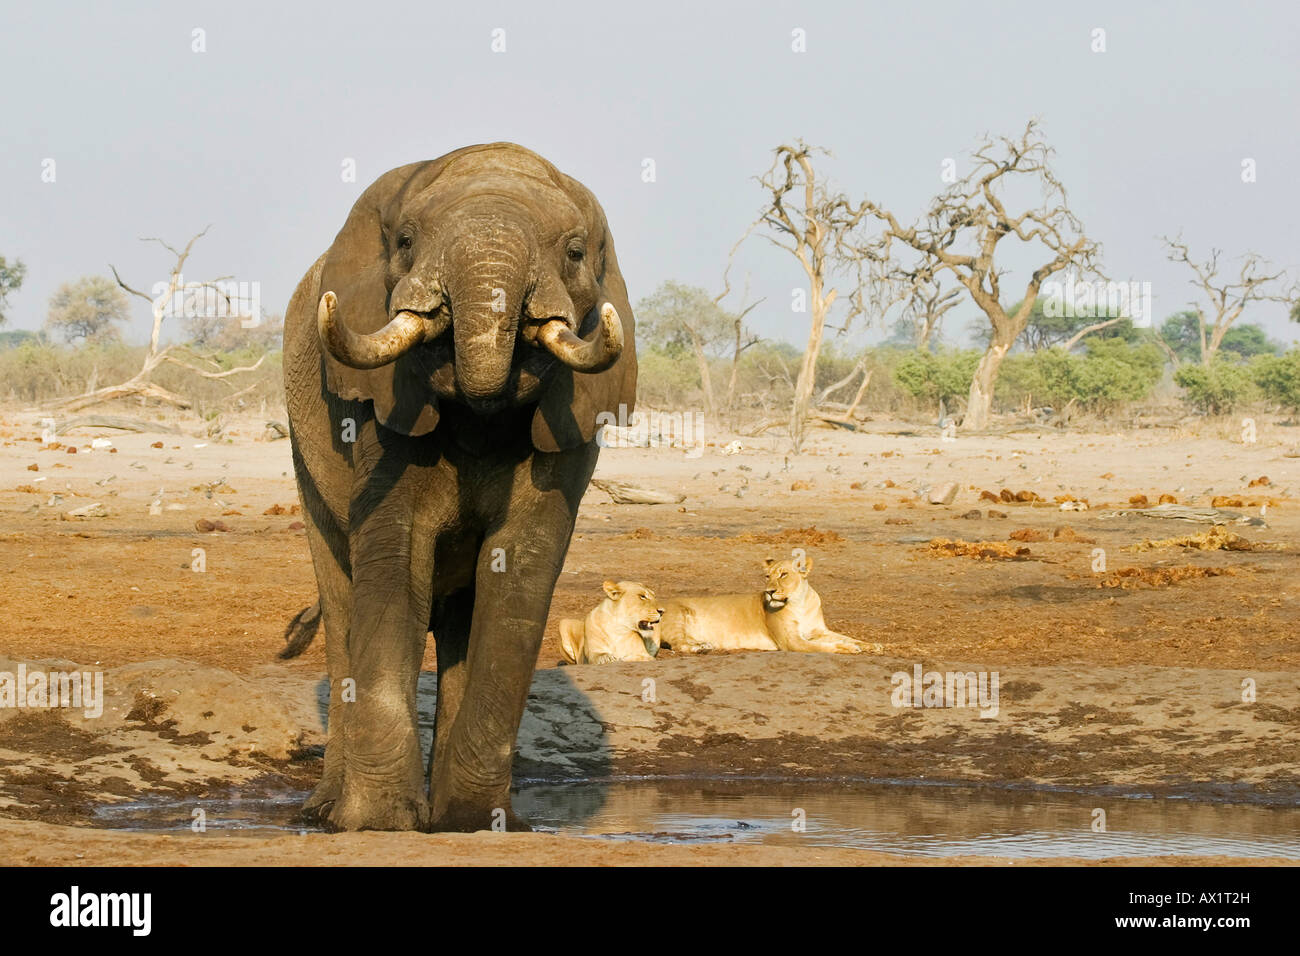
445 363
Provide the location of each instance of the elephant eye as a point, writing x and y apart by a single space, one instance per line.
404 241
575 252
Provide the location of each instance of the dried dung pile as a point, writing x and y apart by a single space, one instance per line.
1218 538
982 550
1129 578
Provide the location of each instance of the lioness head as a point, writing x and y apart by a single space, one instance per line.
634 605
784 580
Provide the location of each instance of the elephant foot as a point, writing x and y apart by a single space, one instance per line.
374 809
316 808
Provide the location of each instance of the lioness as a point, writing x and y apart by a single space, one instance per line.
619 628
786 616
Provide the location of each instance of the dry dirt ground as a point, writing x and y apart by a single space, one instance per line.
1126 676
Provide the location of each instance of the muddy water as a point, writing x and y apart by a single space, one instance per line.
907 819
920 820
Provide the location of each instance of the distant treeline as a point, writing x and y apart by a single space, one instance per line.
1104 374
33 370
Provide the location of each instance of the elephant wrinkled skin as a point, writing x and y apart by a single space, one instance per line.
445 362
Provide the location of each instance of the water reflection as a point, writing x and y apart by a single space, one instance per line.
919 820
928 821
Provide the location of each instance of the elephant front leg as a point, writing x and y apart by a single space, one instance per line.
383 773
515 578
329 552
318 805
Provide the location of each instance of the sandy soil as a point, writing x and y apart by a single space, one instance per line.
1131 677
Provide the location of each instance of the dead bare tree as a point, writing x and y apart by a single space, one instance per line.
918 289
686 316
1227 298
779 381
1174 359
702 363
929 301
1089 329
161 307
860 368
961 231
744 338
818 228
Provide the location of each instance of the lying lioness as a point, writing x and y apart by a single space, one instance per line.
620 628
786 616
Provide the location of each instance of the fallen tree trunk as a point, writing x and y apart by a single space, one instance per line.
114 421
625 494
764 426
125 390
1187 513
835 422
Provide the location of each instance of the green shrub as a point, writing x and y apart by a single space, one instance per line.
937 376
667 380
1111 372
1217 389
37 371
1115 371
1278 378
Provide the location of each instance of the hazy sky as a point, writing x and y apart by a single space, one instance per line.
151 138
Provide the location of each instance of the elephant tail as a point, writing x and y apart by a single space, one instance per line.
301 630
572 634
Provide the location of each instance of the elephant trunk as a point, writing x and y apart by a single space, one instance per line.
486 299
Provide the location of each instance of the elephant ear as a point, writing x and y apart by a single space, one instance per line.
356 270
566 416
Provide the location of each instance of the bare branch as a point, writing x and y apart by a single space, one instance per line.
1096 327
830 390
1227 298
818 227
167 356
139 385
961 231
135 292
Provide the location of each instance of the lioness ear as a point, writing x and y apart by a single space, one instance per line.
566 416
807 564
612 590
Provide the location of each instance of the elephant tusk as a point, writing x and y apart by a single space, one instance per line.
402 333
593 354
